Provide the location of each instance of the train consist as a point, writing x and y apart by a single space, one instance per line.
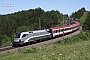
32 36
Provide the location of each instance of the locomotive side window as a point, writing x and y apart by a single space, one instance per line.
49 30
24 35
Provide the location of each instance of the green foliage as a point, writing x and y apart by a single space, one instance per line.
4 39
84 17
80 37
79 13
22 28
29 50
87 22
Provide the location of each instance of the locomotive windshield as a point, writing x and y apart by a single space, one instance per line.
17 35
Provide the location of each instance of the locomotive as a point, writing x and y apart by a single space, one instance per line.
25 37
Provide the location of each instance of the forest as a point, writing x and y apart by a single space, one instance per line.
34 19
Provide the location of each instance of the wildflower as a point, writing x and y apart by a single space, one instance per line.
69 57
74 50
40 47
43 56
60 54
53 54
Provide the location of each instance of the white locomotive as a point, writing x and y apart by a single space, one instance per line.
29 36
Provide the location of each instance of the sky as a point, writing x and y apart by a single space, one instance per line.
63 6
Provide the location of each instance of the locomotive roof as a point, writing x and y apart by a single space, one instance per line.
31 32
37 31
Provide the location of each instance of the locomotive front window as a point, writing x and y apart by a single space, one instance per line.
17 35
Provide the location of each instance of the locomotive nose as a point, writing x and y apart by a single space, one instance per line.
16 39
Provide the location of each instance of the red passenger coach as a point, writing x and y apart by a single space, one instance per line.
75 26
67 29
57 31
60 30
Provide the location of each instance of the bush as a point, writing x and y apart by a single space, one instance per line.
4 40
29 50
84 36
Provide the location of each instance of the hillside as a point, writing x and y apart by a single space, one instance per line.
75 48
84 17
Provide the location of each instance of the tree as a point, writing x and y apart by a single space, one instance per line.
22 28
78 14
87 22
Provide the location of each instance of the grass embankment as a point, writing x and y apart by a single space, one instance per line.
74 48
84 17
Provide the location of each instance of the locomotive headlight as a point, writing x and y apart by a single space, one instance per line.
20 40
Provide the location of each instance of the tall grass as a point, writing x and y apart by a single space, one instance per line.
83 36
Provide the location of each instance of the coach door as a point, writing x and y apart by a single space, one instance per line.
61 31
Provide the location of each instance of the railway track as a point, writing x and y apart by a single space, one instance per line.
9 48
6 48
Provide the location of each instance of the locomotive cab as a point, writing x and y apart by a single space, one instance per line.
18 38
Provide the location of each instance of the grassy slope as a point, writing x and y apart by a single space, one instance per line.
56 51
83 18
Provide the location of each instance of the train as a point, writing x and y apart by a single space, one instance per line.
26 37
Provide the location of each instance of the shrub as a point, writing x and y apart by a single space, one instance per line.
80 37
29 50
4 40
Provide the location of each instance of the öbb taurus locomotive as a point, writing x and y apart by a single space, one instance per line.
32 36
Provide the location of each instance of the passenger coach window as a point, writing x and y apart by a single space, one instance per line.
62 30
57 31
54 31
